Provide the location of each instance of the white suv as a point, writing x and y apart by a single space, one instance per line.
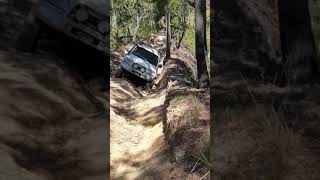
142 61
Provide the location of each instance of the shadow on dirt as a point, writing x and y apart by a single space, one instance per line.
86 61
124 90
36 157
151 117
45 111
136 81
150 162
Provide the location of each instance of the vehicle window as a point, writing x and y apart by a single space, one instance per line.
145 55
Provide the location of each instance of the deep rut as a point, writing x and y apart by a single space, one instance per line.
136 139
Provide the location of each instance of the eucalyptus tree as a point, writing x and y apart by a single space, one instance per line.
138 19
168 32
201 43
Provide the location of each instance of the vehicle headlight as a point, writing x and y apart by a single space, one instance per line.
142 70
103 27
135 66
82 14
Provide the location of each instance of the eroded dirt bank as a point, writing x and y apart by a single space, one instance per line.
261 130
52 120
50 129
145 125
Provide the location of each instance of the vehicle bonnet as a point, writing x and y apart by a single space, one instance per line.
146 64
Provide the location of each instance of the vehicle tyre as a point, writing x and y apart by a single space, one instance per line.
28 39
119 73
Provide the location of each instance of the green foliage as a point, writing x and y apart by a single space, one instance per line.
182 21
126 11
189 39
179 13
202 153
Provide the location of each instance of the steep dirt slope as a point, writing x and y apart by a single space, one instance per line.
136 138
136 134
49 125
53 125
141 147
261 130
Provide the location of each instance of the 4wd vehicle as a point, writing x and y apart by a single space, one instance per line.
83 20
142 61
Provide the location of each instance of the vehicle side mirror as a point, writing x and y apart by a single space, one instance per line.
159 65
126 51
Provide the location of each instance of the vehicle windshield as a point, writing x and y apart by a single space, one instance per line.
146 55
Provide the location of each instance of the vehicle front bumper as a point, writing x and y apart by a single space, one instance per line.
87 36
58 19
143 75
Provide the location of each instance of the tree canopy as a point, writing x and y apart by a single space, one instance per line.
151 16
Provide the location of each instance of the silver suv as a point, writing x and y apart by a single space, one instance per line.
142 61
83 20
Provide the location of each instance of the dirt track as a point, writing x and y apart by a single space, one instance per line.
139 124
137 142
138 150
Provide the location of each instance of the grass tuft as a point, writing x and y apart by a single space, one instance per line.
258 145
202 153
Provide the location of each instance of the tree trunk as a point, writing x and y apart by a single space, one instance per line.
113 15
297 42
136 29
181 38
114 23
128 36
168 30
201 47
